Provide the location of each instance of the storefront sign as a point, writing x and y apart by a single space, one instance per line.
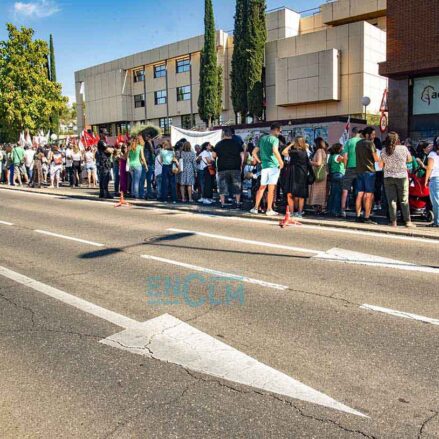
426 95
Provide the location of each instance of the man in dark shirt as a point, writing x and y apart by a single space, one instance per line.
366 157
104 165
230 155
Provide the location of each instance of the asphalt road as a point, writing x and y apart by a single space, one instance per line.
302 314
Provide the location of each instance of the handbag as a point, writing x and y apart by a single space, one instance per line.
320 173
175 168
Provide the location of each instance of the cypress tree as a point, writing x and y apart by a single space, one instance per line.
239 59
55 116
219 102
208 97
52 60
256 37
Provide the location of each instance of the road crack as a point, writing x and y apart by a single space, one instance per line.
424 424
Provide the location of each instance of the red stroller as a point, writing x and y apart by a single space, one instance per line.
419 198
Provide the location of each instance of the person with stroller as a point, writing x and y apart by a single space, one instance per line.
394 159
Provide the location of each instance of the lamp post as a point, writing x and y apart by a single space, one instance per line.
365 102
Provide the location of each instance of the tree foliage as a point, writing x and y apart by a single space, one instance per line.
52 60
250 36
208 97
28 99
239 58
219 101
56 117
256 37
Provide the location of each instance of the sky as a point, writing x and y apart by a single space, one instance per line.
90 32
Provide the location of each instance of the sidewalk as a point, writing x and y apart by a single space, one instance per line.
92 194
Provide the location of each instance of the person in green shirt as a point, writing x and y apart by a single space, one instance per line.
268 156
350 161
336 165
136 160
19 167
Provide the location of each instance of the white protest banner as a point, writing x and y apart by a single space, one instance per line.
195 137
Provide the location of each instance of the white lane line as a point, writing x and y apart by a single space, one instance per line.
218 273
81 304
344 231
405 315
247 241
69 238
356 258
6 223
168 339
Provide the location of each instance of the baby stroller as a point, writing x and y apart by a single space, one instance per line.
419 198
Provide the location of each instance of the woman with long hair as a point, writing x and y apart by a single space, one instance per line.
147 171
394 159
432 181
136 161
296 175
169 163
90 166
318 192
77 158
188 173
207 178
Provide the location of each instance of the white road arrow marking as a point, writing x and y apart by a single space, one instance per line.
6 223
168 339
350 257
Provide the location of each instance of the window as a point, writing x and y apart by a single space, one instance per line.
183 65
160 97
165 124
139 101
184 93
160 71
139 75
188 121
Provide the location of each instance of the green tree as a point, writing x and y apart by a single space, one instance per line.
208 97
52 60
56 117
28 99
239 59
219 102
256 37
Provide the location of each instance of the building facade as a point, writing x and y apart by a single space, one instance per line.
318 65
413 67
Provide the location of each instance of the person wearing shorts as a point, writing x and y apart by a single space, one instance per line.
230 156
367 156
350 161
267 154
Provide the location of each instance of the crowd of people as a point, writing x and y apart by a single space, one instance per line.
364 173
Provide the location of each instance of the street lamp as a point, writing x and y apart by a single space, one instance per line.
365 102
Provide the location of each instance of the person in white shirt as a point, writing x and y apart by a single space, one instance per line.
205 175
29 154
432 181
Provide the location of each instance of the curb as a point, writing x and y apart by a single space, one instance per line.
228 214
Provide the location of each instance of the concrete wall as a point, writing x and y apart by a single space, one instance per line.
313 69
361 46
308 78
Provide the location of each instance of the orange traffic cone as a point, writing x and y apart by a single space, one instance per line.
287 221
122 201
